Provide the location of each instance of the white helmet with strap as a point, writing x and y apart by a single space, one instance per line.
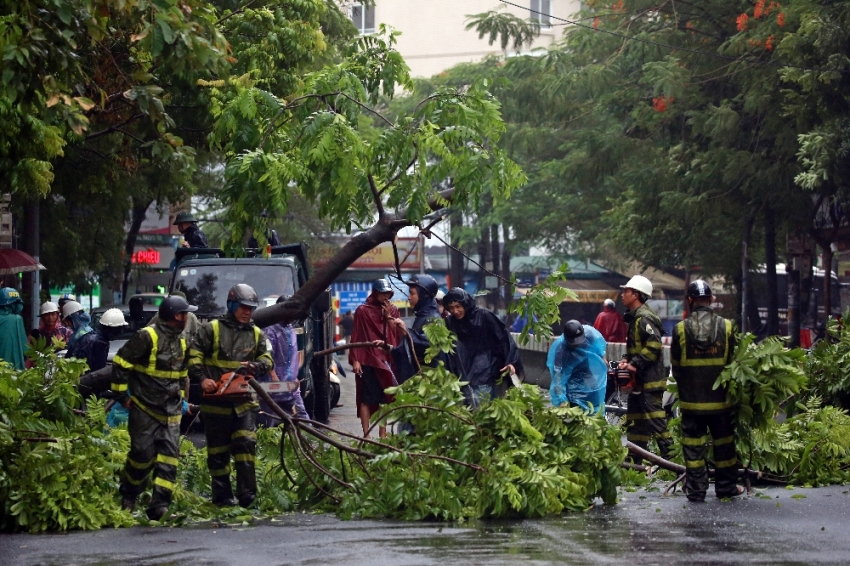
113 318
48 308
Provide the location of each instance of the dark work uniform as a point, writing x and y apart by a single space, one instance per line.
92 347
702 346
230 426
150 366
195 237
645 412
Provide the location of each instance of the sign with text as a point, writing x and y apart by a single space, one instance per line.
382 257
350 300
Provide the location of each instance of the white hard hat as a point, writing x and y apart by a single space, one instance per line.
48 308
440 295
113 317
639 283
70 308
609 303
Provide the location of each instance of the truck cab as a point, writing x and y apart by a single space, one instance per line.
205 275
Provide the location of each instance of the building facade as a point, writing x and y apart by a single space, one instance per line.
433 35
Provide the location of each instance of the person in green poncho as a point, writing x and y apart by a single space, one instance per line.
13 338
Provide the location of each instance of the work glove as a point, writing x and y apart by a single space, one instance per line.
251 369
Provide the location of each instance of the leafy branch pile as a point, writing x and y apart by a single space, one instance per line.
812 445
58 469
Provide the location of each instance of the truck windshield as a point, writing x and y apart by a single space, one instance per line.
206 286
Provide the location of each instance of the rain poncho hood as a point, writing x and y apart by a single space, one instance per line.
704 329
579 373
81 322
484 344
369 325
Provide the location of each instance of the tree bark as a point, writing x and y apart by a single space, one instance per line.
456 266
506 265
138 212
770 260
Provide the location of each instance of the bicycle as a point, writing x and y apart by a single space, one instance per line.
616 402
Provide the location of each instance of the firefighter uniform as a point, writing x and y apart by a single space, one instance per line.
150 367
645 415
230 425
702 346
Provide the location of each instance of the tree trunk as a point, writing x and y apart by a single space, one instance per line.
30 281
298 306
496 254
483 252
770 260
506 266
138 216
456 266
793 306
827 283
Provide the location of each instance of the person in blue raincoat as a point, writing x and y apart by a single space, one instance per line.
577 365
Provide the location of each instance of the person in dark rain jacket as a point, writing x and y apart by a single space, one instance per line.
485 349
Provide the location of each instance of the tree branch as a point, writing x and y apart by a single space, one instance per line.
116 127
376 196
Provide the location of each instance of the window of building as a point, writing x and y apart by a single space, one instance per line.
364 18
541 9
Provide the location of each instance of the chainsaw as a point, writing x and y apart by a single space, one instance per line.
234 386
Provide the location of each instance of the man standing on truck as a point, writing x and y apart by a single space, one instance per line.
149 367
192 235
231 343
646 416
702 346
376 319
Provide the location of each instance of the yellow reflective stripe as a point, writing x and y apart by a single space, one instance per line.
693 441
169 485
163 459
652 344
256 337
244 407
119 387
135 481
652 415
140 465
694 463
665 434
638 437
655 384
243 434
724 440
212 409
726 463
702 362
173 419
218 450
222 472
244 457
118 360
686 406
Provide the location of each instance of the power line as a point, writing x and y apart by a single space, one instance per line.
674 47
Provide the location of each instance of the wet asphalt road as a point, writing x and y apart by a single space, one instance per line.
777 526
773 526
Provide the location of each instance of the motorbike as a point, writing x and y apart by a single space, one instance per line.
336 385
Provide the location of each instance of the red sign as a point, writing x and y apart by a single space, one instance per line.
146 257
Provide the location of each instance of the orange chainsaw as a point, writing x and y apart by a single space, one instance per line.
234 386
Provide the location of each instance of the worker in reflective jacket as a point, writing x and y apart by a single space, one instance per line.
702 345
646 416
146 376
223 346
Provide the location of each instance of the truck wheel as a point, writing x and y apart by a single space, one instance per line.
321 391
334 394
308 394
